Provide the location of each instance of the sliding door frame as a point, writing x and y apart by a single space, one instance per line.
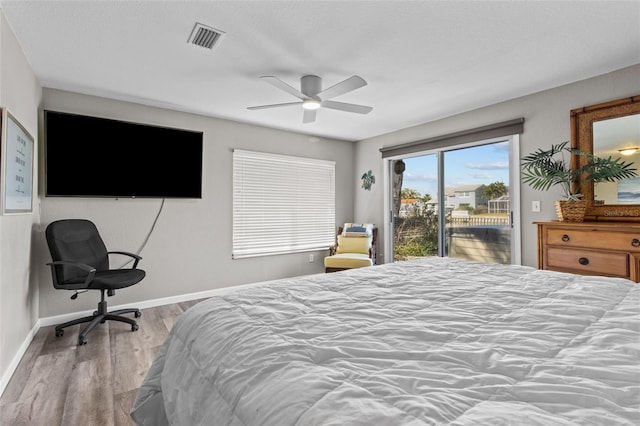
514 193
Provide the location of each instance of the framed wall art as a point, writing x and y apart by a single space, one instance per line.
16 166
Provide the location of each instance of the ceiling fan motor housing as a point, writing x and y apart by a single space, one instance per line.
310 85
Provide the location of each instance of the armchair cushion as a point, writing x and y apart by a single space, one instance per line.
347 261
354 245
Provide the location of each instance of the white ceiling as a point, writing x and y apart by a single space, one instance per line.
423 60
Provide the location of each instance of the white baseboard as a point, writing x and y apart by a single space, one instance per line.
57 319
6 377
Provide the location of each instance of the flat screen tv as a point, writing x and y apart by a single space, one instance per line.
97 157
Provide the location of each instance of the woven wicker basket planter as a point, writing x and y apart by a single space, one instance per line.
570 210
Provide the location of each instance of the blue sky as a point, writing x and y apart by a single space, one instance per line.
483 164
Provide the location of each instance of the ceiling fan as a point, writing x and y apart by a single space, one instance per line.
313 97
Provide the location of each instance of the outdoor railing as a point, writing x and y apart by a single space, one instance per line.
478 221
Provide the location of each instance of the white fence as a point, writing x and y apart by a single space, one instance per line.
477 220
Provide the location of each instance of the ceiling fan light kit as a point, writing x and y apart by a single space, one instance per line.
628 151
311 104
313 97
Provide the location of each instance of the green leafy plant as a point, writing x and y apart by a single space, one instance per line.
543 169
416 236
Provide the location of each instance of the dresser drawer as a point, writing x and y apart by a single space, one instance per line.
588 262
593 238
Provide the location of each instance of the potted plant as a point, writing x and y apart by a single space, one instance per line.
546 168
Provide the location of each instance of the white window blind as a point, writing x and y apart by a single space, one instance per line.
281 204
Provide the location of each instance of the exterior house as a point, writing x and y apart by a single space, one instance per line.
466 195
410 207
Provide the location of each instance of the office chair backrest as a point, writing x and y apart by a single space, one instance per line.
76 240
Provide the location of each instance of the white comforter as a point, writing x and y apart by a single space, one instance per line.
436 341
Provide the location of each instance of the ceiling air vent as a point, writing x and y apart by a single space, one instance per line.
204 36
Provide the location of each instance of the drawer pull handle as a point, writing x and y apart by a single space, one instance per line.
583 261
635 242
565 238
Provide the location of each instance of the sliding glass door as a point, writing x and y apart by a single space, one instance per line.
415 207
455 202
477 198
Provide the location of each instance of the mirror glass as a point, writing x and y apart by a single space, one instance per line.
618 137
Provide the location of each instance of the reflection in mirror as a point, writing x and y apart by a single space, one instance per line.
618 137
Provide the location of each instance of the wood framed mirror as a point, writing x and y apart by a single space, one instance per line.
608 129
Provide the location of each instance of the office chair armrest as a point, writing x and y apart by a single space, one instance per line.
126 253
88 268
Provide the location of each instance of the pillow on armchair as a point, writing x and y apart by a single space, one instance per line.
357 230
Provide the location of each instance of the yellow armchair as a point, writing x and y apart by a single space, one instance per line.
354 249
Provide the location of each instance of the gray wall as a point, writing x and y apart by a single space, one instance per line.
20 93
190 248
546 122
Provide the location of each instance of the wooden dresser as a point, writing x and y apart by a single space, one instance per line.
590 248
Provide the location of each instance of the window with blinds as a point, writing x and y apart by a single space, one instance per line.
281 204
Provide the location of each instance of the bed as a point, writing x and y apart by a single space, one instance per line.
434 341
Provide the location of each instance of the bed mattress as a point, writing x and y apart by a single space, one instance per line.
435 341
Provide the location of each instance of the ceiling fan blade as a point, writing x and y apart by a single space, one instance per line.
309 116
283 86
351 83
274 105
358 109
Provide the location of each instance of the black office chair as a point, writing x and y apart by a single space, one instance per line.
81 262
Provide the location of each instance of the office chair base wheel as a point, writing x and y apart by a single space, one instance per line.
82 341
137 314
59 333
134 327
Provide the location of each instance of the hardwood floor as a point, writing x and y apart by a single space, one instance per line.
60 383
